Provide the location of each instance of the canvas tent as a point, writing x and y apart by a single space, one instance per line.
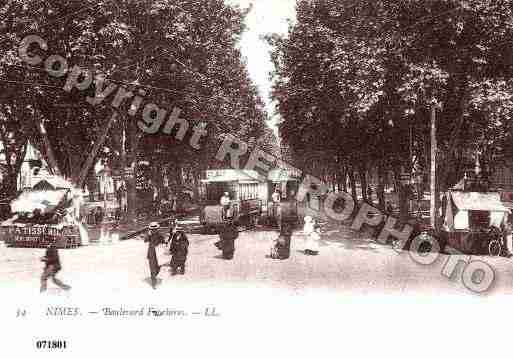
460 205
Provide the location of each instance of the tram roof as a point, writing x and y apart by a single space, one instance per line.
232 175
282 175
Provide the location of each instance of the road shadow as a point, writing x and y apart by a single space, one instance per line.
147 280
352 247
264 228
268 256
206 238
220 256
55 291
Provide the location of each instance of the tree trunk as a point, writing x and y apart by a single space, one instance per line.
132 179
178 175
380 191
14 170
363 183
343 179
352 182
403 197
52 162
196 186
158 180
124 179
91 184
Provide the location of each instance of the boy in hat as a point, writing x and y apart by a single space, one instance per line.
154 238
52 267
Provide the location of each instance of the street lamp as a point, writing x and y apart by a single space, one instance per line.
432 210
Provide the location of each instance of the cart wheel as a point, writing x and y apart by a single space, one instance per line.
425 247
494 248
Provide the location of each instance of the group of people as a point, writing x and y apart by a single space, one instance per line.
178 245
280 248
178 249
228 233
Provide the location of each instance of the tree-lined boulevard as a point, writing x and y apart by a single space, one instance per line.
391 102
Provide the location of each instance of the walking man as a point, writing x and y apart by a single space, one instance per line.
154 238
178 248
276 198
227 236
52 267
225 202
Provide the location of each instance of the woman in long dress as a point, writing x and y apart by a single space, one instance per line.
312 241
308 227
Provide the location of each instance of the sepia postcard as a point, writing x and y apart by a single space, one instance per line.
256 178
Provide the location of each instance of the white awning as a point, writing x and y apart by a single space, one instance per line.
478 201
46 201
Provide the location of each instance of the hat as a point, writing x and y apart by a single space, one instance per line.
154 225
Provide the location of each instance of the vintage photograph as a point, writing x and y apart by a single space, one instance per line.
210 152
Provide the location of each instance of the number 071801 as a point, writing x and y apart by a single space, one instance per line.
51 344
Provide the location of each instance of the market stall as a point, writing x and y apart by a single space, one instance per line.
44 215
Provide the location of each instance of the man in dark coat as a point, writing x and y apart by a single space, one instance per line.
283 243
178 248
154 238
52 267
226 244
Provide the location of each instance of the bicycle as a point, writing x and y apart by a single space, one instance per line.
495 245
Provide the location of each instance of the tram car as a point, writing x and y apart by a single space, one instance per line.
287 184
247 191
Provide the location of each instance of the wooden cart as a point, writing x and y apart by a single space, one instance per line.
474 222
